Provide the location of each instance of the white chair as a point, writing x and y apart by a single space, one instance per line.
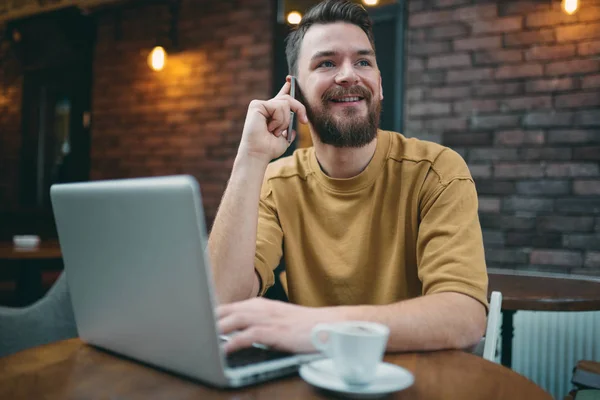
488 345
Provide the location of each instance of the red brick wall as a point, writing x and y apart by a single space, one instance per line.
187 118
515 88
10 127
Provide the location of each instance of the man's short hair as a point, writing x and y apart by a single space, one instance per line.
326 12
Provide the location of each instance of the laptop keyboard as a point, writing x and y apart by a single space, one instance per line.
252 355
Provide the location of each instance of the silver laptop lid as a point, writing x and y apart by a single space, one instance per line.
140 284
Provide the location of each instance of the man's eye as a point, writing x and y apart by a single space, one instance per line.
364 63
326 64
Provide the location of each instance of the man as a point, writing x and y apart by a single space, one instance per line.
373 226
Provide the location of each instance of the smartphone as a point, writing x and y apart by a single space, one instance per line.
292 114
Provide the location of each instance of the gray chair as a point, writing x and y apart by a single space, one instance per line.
48 320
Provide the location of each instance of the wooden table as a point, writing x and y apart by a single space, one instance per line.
29 272
73 370
540 293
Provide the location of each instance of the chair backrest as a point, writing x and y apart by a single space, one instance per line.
492 331
488 345
49 319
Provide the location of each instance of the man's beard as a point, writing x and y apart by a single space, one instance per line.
351 131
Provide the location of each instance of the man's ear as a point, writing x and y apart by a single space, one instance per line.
380 88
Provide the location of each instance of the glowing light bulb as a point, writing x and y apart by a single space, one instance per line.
370 2
157 58
294 18
570 6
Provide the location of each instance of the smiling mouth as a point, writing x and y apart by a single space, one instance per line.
348 99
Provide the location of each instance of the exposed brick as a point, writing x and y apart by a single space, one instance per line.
506 222
414 94
486 42
590 14
498 89
540 240
557 257
430 48
547 18
588 153
490 154
449 3
446 124
577 100
546 154
415 64
449 31
435 77
579 206
451 92
449 60
572 169
428 108
543 187
429 18
492 238
557 223
550 52
476 12
417 35
586 187
470 75
548 119
572 67
526 103
481 122
592 259
507 256
584 242
529 38
519 71
588 48
549 85
480 170
475 106
577 32
518 170
498 57
573 136
415 6
534 204
590 81
489 204
467 139
500 25
521 7
495 187
587 118
518 137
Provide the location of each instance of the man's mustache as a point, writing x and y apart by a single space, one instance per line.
337 92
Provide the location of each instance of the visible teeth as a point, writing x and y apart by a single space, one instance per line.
347 99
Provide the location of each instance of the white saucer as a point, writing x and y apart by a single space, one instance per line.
389 378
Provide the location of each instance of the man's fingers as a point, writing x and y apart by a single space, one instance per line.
246 339
233 322
299 109
285 89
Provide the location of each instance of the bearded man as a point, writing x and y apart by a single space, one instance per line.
371 225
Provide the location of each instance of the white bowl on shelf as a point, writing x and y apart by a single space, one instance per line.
26 241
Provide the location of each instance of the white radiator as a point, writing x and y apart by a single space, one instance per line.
547 345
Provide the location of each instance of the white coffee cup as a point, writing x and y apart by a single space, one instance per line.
356 348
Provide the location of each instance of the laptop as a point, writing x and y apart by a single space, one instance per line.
141 283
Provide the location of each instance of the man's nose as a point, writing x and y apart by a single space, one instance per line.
346 75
